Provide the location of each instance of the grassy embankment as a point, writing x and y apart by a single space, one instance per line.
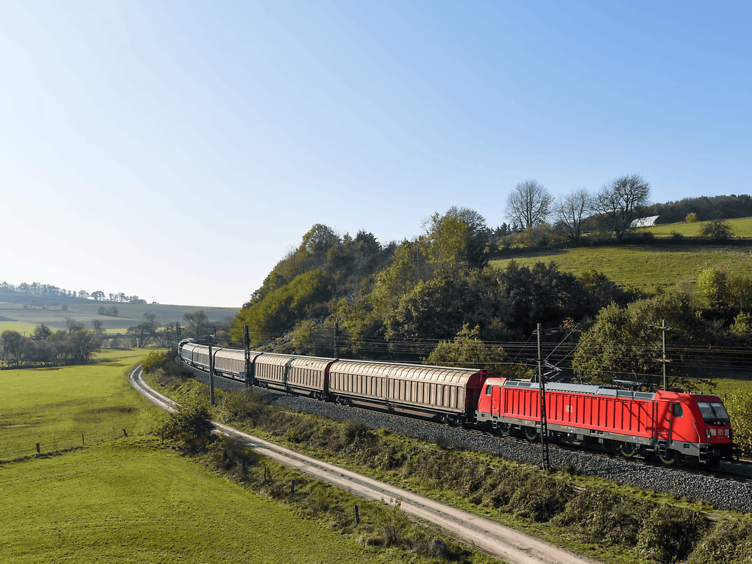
645 267
131 499
601 519
641 267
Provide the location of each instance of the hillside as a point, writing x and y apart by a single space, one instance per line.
740 228
640 267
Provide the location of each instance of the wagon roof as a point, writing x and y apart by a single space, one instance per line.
313 362
234 353
276 359
404 371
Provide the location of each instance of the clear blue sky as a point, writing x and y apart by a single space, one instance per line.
176 150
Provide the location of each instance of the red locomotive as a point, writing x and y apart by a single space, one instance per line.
674 426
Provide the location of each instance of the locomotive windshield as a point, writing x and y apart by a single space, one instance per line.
713 413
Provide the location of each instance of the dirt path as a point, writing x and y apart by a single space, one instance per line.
502 542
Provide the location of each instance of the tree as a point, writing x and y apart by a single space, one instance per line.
198 322
573 210
98 295
529 204
619 202
145 331
691 217
622 345
83 294
82 344
42 332
713 288
13 345
458 238
467 350
716 229
73 325
97 326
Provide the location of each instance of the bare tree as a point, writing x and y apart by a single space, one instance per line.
198 322
620 201
529 204
573 210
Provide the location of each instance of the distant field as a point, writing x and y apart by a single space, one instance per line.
54 406
20 326
642 267
49 310
741 227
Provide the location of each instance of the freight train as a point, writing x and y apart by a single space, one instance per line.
676 427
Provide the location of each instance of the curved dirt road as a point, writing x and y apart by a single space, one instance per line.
502 542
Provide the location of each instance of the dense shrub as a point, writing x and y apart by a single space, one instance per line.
600 516
189 427
669 533
729 542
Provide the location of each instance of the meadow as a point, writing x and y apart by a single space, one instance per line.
641 267
130 499
56 406
741 227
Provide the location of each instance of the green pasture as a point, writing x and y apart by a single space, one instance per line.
55 406
131 501
20 326
741 227
643 267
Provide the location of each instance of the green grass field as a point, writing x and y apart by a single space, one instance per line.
54 406
741 227
130 501
642 267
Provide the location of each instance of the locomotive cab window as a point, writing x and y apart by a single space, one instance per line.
488 390
714 413
677 409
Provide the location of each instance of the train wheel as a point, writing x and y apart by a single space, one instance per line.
505 429
530 433
627 450
670 459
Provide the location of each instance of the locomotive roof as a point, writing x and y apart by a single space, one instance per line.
583 389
